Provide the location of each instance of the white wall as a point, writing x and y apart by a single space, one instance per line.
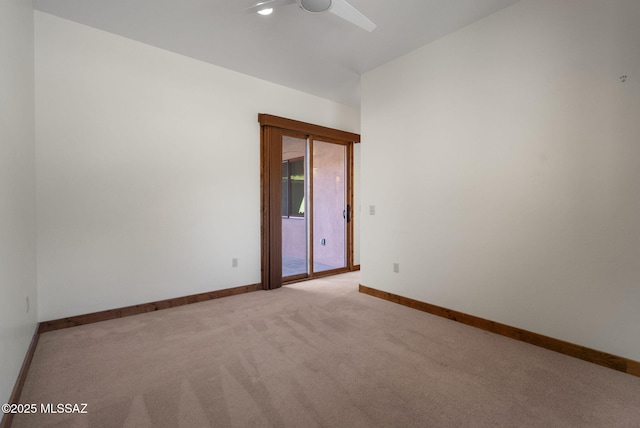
148 169
503 161
17 190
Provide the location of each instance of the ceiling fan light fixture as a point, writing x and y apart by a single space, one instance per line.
266 11
315 6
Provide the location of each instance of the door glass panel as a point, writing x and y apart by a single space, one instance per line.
329 206
294 220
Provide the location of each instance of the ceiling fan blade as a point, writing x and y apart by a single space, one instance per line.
263 4
349 13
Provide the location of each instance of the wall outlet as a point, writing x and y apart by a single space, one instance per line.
234 262
396 267
372 210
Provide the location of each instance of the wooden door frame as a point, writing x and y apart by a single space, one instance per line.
272 128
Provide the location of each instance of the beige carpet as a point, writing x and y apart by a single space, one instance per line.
315 354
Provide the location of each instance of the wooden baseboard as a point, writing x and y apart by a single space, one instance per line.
591 355
110 314
7 418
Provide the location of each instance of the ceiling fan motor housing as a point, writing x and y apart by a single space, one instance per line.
315 6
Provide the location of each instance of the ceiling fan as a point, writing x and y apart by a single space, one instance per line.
338 7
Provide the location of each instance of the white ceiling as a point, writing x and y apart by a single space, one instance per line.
319 54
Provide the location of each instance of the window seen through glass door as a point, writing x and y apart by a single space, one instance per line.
293 186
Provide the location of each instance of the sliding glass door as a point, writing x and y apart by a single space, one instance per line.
306 192
315 211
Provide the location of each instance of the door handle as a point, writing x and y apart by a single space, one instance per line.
347 213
